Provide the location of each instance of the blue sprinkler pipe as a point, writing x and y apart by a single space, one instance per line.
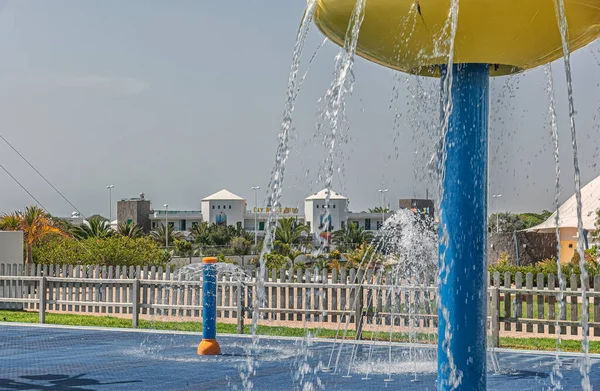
462 251
209 344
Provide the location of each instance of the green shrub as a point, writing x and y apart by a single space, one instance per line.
299 265
548 266
115 250
273 261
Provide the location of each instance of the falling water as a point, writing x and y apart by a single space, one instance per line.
335 101
556 376
335 118
312 58
410 247
455 376
275 187
559 7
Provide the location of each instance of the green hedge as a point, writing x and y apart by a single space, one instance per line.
549 266
116 250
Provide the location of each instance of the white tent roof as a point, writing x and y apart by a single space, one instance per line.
567 213
323 195
223 195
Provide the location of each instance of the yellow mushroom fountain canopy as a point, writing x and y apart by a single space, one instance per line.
412 37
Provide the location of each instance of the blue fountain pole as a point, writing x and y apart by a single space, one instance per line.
463 291
209 344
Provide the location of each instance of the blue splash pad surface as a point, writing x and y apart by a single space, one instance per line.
61 358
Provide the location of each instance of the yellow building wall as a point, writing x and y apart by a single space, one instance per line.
567 250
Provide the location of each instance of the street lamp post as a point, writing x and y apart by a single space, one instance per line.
166 226
255 188
381 192
110 187
497 197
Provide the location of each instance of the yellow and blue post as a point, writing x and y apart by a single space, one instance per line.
462 287
209 344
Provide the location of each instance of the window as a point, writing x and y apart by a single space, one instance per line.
379 225
154 224
317 206
368 224
213 206
183 225
343 224
261 225
219 207
221 219
333 206
229 206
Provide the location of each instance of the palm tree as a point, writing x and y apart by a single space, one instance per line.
379 209
35 224
200 232
130 229
289 231
159 234
352 235
93 228
10 222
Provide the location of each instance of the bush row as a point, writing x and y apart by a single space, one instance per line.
549 266
115 250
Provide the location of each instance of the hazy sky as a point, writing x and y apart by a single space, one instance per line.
179 99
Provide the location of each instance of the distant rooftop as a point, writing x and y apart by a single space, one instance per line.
142 197
322 195
223 195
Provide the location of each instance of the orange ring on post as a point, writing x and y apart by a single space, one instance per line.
209 260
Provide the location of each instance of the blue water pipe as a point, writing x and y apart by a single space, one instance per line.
462 289
209 344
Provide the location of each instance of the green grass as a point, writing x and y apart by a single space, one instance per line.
566 345
548 344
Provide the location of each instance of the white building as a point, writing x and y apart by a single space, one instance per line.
224 208
227 208
315 209
261 216
181 220
339 215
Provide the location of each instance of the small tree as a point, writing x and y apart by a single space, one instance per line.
183 248
241 246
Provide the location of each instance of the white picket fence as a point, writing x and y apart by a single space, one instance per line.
362 300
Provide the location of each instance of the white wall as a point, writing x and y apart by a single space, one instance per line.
11 247
233 209
315 208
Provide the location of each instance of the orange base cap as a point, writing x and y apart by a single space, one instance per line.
209 347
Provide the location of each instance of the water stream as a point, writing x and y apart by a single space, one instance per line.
275 187
563 27
556 376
